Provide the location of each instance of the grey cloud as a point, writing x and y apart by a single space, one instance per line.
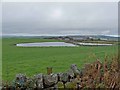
60 18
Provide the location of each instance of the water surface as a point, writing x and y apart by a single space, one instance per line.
94 44
45 44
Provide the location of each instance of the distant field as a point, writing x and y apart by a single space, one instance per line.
34 60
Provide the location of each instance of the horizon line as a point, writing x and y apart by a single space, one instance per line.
57 35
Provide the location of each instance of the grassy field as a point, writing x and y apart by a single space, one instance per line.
34 60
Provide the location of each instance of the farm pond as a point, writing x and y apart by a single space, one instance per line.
46 44
58 44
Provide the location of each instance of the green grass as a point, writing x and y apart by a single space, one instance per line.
34 60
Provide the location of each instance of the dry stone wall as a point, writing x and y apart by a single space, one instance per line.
93 75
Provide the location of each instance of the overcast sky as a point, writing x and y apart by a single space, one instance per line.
63 18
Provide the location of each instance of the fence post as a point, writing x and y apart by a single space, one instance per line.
49 70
